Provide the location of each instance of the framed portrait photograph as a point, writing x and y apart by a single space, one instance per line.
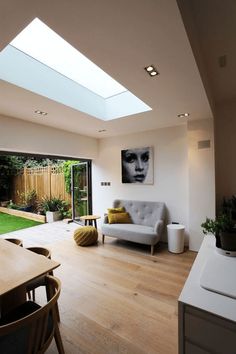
137 165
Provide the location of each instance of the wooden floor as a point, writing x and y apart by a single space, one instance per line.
117 298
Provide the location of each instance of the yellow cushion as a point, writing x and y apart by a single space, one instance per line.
119 218
116 210
86 236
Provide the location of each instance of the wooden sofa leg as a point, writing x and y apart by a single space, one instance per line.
152 250
103 238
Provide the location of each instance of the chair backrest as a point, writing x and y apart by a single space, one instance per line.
33 334
41 250
16 241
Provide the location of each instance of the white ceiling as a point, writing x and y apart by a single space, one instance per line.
122 37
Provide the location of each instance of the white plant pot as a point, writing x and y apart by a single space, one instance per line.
52 216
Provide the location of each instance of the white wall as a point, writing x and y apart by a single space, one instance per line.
183 175
20 136
201 179
170 172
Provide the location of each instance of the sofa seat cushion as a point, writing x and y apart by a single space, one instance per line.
131 232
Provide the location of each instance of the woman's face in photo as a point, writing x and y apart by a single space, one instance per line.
135 165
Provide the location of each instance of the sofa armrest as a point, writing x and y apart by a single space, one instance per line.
158 227
105 220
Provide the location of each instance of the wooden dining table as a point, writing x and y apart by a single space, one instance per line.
18 266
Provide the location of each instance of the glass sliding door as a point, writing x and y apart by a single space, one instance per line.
81 190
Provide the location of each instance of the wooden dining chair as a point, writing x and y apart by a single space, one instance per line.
41 250
29 329
16 241
32 285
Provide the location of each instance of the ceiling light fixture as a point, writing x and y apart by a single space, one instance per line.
151 70
41 113
153 73
183 115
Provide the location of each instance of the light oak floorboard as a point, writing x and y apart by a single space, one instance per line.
117 298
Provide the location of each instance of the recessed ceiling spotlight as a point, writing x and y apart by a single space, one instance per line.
41 113
102 130
183 115
153 73
151 70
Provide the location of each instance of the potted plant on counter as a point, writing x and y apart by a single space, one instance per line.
224 230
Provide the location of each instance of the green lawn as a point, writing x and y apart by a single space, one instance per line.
10 223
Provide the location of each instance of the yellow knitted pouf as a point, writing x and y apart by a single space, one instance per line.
86 236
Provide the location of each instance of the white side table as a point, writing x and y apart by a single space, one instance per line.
175 233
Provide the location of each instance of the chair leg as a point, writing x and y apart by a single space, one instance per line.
103 238
58 340
152 250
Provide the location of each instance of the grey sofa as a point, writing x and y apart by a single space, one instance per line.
147 222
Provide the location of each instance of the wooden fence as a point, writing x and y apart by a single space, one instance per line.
46 181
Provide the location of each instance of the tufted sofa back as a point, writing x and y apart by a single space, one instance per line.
142 213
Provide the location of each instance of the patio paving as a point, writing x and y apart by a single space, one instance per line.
44 234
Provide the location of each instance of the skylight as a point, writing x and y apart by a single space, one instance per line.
40 61
43 44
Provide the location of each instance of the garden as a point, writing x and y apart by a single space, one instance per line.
32 189
9 223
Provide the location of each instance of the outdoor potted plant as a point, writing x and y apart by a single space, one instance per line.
224 230
52 208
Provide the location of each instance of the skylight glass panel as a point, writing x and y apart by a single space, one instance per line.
40 61
41 43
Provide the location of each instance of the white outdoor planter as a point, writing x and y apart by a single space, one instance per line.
52 216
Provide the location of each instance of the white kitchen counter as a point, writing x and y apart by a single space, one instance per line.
207 319
193 294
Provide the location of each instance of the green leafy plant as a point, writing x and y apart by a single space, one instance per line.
54 204
29 200
223 222
12 205
51 204
67 173
9 166
66 212
223 228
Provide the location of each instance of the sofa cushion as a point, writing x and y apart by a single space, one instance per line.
116 210
131 232
119 218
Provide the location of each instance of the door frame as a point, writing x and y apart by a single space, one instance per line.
89 181
59 157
